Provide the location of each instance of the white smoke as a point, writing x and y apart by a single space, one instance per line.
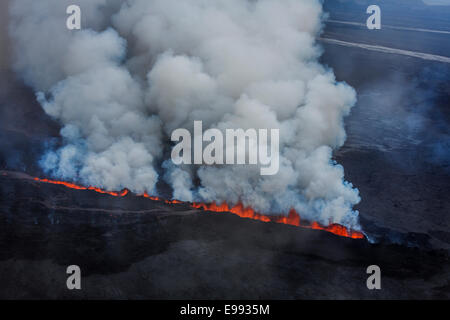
142 68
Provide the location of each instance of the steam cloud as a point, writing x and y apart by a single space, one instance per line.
142 68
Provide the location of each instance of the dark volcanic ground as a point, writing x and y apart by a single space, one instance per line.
397 155
398 148
137 248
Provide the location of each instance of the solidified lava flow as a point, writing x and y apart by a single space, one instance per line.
293 218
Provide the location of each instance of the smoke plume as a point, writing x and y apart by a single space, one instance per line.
142 68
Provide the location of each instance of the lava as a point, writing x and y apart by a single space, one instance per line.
293 218
123 193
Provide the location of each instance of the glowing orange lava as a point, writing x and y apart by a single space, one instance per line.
123 193
293 218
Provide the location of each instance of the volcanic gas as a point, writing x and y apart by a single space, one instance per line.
293 218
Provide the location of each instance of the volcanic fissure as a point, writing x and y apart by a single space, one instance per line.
293 218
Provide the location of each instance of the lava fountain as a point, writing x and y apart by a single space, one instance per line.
293 218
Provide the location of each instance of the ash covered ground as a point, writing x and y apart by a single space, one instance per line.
133 247
397 154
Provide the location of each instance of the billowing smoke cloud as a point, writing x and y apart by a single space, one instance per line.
142 68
